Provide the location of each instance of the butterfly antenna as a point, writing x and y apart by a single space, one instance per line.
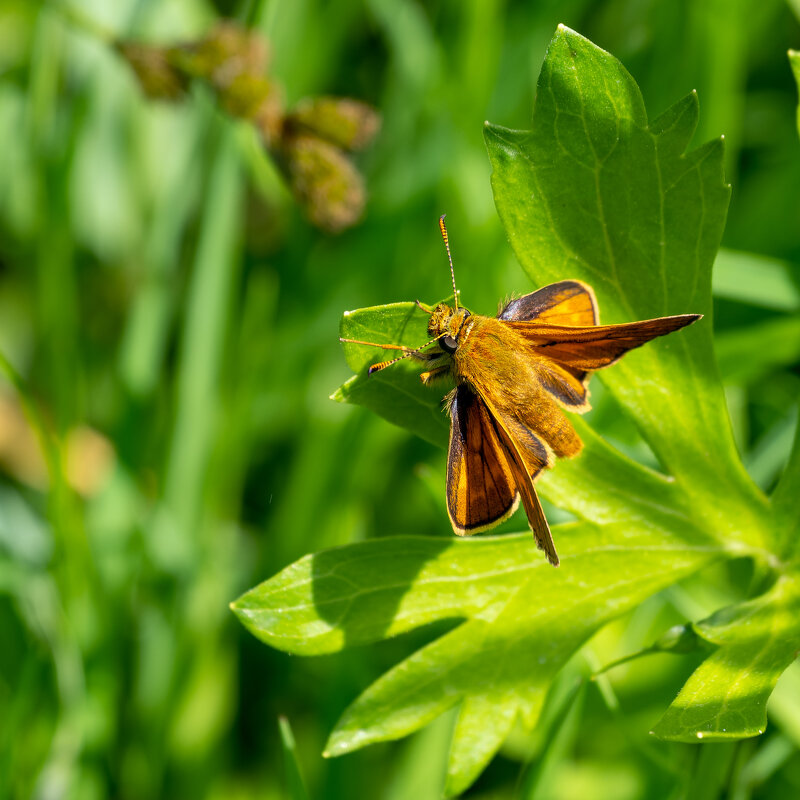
407 351
443 229
383 364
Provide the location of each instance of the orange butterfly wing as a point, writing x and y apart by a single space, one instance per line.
560 323
527 457
591 348
481 490
492 461
562 303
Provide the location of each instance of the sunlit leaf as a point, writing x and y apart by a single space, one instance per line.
597 192
523 620
726 697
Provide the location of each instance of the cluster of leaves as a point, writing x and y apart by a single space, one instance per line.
594 191
309 142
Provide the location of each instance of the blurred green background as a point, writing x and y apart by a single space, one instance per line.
172 323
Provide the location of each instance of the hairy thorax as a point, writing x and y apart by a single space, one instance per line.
494 358
486 354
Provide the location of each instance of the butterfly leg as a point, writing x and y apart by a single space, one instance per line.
434 375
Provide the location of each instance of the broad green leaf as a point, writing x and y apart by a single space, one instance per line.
395 393
523 620
371 590
648 263
604 486
726 697
598 193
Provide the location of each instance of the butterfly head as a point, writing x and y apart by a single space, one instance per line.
445 325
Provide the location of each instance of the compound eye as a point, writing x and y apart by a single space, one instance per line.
448 344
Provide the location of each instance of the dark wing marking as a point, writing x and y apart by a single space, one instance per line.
480 483
562 303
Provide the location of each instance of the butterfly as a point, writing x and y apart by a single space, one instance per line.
515 374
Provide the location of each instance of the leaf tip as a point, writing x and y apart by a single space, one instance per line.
342 394
240 614
337 745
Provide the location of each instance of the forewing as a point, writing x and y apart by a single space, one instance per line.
481 490
535 513
562 303
590 348
527 456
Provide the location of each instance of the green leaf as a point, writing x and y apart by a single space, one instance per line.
598 193
518 612
726 697
396 393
